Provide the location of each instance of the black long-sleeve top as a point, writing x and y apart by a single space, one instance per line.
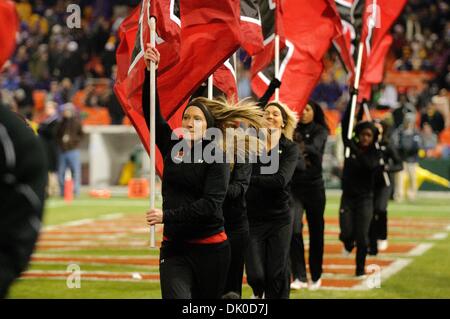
235 205
268 194
308 172
193 193
393 164
360 167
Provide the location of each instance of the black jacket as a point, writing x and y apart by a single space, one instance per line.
48 133
268 194
23 177
308 172
360 167
393 164
235 205
193 193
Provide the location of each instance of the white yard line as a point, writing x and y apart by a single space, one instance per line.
420 249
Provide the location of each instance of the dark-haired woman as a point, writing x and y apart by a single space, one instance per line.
355 214
195 252
382 191
308 195
268 198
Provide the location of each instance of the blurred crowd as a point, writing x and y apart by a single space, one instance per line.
61 61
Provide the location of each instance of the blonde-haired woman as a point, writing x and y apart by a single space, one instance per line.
195 252
268 198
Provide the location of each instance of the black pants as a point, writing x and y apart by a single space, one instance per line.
268 259
189 271
312 201
238 238
378 226
355 216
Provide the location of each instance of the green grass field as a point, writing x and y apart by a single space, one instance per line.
427 276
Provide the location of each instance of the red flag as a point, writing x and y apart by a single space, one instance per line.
310 28
251 28
134 33
375 68
224 79
209 36
368 21
9 25
379 15
272 22
343 41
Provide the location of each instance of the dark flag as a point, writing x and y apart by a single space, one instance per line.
251 29
310 28
272 24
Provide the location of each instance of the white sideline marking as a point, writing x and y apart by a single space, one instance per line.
83 221
100 203
386 272
439 236
420 249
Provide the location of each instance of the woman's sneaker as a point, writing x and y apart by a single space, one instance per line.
382 245
297 284
315 285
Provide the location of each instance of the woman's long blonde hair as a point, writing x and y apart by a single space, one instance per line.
290 119
228 114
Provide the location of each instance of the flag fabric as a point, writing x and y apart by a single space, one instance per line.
209 36
368 21
224 79
310 28
251 28
343 41
134 33
271 13
9 26
375 68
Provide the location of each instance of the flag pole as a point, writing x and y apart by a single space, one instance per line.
235 66
152 23
387 180
210 86
277 65
354 96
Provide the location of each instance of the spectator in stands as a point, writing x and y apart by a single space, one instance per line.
67 90
55 94
69 136
424 97
408 143
47 131
429 138
433 117
404 107
442 105
112 103
328 90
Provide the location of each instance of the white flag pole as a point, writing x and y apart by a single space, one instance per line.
354 96
277 65
210 86
235 66
152 23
